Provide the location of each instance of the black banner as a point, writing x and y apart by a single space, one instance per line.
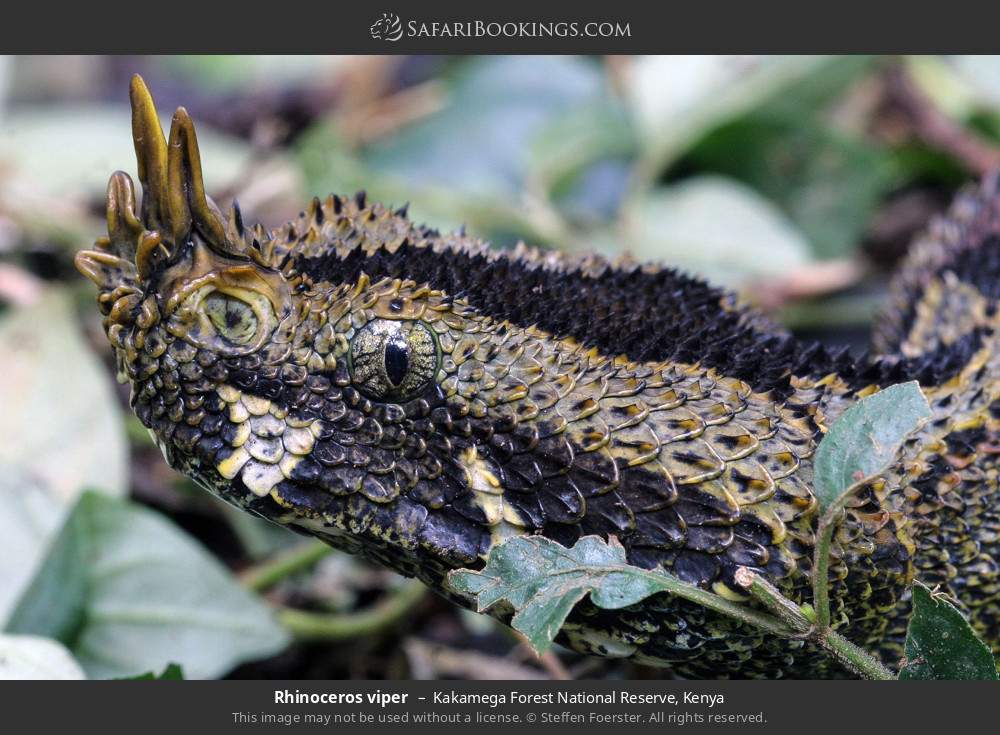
449 27
356 706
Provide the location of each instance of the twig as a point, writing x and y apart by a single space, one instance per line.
935 128
385 116
312 626
807 281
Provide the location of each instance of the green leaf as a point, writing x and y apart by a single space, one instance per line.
940 643
61 429
260 538
126 591
29 517
173 672
674 99
470 162
716 227
479 142
829 183
950 88
567 144
543 580
818 167
63 426
677 100
34 657
866 439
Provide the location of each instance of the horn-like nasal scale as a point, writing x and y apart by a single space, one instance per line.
124 225
114 256
150 154
174 202
187 202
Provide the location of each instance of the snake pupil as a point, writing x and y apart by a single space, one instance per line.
396 361
233 316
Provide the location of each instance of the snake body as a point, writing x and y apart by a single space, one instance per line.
417 397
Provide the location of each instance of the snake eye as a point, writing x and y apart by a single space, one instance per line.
393 359
229 320
232 318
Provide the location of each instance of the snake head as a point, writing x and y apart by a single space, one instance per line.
181 286
174 266
279 394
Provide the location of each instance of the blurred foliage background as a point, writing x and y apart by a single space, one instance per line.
798 181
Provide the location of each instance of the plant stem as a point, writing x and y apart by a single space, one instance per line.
715 602
771 598
269 573
821 573
669 583
854 659
821 554
847 654
331 627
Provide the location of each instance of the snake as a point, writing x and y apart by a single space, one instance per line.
417 397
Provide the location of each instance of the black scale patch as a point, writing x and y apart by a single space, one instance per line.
649 316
